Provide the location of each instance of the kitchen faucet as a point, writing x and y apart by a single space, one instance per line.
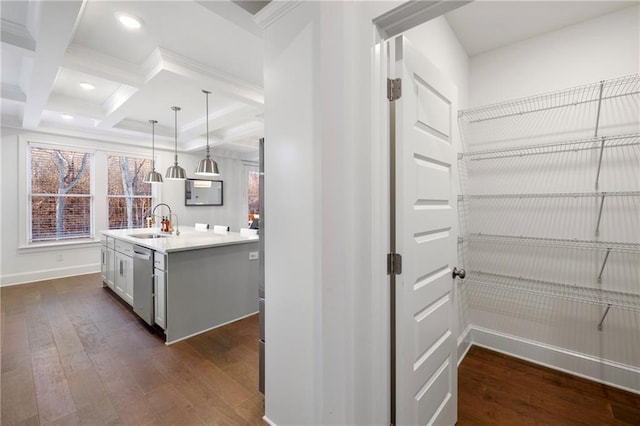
153 215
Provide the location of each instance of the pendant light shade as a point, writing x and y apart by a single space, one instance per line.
175 171
153 176
206 166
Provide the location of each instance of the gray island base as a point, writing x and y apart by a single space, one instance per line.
200 280
207 288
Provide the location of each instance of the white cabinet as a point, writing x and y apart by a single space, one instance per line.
107 264
111 268
160 290
160 299
123 283
103 262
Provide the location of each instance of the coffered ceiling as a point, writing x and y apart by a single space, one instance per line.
181 48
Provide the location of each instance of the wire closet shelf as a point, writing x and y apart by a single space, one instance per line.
572 146
541 162
594 92
575 293
614 246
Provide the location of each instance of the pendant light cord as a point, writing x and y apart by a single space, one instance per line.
153 144
176 109
207 119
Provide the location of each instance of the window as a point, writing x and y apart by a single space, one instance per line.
129 198
253 193
60 196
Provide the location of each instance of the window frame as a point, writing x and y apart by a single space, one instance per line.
26 239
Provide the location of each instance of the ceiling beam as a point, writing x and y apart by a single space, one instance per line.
234 13
89 61
56 24
73 106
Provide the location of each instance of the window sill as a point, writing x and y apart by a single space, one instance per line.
52 246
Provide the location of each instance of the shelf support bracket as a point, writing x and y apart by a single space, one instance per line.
600 216
599 105
600 161
604 263
606 311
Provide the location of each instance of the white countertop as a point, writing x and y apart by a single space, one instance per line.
189 239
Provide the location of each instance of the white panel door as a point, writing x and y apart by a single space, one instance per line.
426 234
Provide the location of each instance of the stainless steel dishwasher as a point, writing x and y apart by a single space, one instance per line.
143 283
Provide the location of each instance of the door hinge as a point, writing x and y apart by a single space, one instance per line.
394 264
394 89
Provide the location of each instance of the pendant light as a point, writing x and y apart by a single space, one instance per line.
153 176
206 166
175 171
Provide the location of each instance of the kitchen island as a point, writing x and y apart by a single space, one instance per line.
198 280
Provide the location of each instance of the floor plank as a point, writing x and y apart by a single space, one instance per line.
18 402
52 389
494 388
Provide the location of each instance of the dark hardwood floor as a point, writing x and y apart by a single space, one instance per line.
73 354
495 389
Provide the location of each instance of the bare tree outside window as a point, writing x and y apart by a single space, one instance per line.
254 192
61 199
129 198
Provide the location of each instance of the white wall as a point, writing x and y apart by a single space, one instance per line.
327 304
590 51
20 265
294 218
230 213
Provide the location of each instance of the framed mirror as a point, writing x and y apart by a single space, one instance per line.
202 192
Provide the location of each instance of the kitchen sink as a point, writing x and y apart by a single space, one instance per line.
147 236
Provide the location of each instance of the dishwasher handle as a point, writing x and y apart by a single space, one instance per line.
142 253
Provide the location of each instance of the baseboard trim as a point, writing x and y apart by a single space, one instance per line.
464 344
48 274
611 373
269 422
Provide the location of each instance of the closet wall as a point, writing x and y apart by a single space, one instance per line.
533 220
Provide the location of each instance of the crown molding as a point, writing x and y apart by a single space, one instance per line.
17 35
13 93
274 11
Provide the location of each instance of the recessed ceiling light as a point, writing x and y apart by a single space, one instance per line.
87 86
129 21
67 116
